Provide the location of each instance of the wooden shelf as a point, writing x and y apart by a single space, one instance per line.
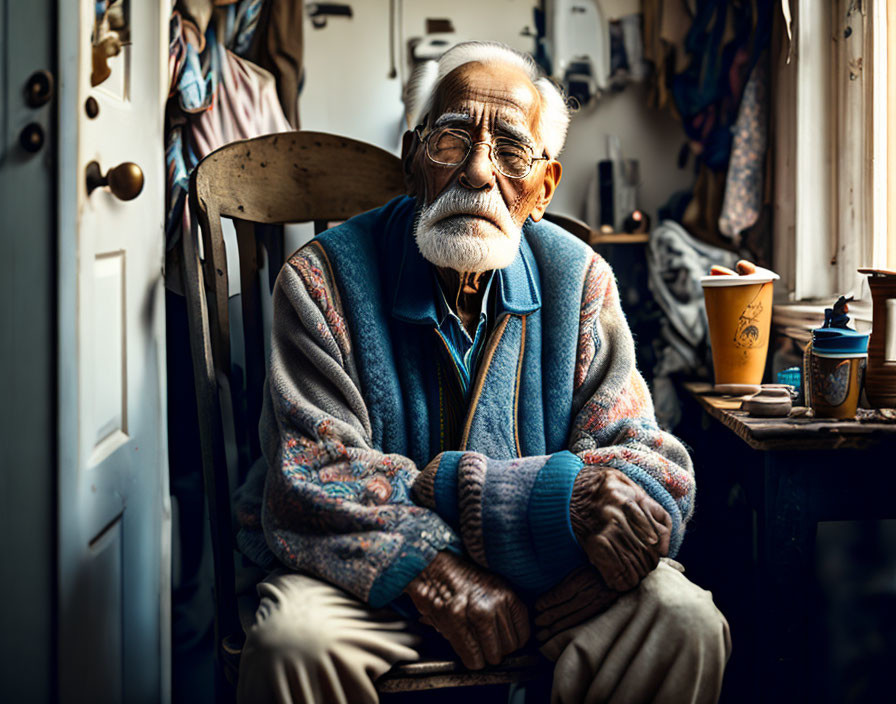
594 237
597 238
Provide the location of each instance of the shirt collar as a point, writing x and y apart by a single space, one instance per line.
517 290
444 309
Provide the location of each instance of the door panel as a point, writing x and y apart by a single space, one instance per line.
113 508
108 373
102 662
109 364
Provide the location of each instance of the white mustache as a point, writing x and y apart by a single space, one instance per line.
458 201
448 233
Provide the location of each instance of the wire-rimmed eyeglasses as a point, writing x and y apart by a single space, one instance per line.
448 146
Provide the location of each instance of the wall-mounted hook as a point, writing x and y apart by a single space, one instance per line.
320 11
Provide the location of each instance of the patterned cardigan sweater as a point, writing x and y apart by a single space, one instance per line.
362 395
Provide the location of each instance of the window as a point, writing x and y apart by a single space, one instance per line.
833 202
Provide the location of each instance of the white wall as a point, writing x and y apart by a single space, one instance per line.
347 91
347 86
652 137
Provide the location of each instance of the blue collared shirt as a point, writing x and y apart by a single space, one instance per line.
465 351
418 297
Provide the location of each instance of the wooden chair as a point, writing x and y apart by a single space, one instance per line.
261 184
580 229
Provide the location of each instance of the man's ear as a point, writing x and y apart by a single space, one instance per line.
552 175
409 146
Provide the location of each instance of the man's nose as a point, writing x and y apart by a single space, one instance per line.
478 172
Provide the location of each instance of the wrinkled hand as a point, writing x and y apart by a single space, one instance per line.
623 531
475 610
581 595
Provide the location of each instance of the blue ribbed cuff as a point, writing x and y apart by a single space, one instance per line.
391 583
445 488
422 542
658 493
552 536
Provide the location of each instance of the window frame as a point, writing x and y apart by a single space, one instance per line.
834 208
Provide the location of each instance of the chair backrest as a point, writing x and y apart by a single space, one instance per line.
260 184
573 225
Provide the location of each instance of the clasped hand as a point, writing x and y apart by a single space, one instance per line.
622 530
474 610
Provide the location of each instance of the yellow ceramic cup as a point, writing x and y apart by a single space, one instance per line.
739 312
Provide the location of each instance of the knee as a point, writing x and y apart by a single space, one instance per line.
688 617
289 652
311 642
275 639
285 631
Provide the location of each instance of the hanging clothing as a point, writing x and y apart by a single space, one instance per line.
277 47
743 185
675 263
724 44
701 216
199 12
216 97
665 25
246 105
242 24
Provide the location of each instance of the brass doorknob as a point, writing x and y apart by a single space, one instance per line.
125 180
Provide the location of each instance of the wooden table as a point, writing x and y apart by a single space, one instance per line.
792 473
793 433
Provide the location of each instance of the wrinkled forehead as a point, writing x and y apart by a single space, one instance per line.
491 95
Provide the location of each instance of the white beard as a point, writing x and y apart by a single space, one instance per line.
467 231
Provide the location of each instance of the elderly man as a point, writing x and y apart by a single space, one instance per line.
456 434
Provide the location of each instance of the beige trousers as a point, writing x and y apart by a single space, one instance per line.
313 643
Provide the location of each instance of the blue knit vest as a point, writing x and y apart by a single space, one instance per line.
521 402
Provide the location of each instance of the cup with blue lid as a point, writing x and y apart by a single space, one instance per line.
835 361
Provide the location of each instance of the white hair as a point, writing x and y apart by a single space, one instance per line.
427 77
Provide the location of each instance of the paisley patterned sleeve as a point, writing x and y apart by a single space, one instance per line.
334 506
615 425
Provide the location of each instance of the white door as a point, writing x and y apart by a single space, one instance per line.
113 490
